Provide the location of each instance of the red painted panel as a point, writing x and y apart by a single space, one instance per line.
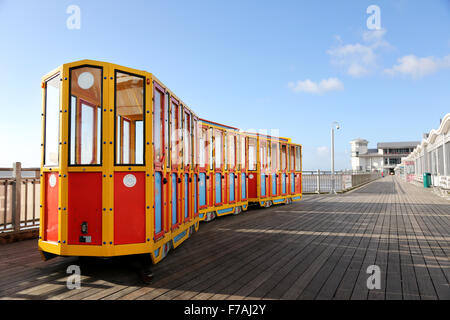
210 190
225 191
129 208
167 207
85 205
51 206
252 185
298 183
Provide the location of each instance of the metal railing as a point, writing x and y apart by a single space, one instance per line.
322 181
19 198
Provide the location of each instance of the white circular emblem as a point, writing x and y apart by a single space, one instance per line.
52 180
129 181
250 176
85 80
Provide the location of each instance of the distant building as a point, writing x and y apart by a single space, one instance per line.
382 159
432 155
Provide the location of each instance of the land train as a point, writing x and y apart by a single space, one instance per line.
128 168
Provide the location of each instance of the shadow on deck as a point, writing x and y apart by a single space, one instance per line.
319 248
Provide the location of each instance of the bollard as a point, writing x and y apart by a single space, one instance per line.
318 181
17 175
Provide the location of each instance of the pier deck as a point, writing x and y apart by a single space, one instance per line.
318 248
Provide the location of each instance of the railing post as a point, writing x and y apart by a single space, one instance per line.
318 181
17 188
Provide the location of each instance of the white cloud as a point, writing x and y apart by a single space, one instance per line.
416 67
330 84
360 58
322 151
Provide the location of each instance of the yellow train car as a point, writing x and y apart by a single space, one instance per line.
222 171
128 168
274 170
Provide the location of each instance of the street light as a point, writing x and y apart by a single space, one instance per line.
335 124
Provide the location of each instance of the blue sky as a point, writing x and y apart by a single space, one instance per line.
295 66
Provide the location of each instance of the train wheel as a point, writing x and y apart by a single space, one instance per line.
237 210
166 248
210 216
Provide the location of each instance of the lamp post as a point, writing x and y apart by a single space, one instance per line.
333 185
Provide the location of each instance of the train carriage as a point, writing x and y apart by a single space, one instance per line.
128 168
274 170
223 180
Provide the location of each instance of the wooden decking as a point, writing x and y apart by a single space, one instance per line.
319 248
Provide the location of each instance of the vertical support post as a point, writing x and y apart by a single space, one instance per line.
332 161
318 181
444 154
16 194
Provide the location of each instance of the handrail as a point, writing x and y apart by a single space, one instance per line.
19 199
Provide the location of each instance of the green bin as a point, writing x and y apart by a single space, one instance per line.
427 180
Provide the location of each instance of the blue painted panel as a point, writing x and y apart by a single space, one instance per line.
195 193
231 186
158 200
292 183
219 212
202 189
243 186
278 200
283 183
274 183
156 253
186 195
174 198
180 236
218 187
263 185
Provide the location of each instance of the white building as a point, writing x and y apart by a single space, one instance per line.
382 159
432 155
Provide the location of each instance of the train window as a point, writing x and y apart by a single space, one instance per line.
158 124
243 149
278 156
129 118
238 152
139 138
187 138
211 144
283 157
269 154
263 153
167 129
274 153
292 158
85 113
298 166
203 147
126 140
218 148
52 92
252 154
232 148
194 141
180 135
225 148
174 132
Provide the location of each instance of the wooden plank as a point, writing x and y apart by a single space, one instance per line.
319 248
